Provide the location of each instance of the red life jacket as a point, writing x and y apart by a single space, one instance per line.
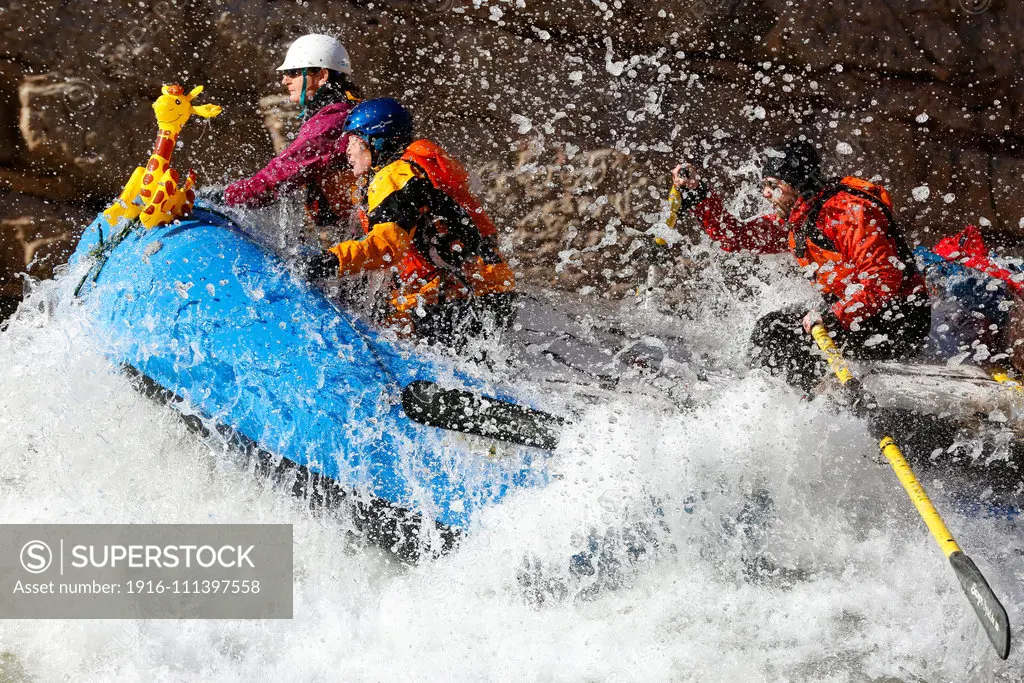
968 247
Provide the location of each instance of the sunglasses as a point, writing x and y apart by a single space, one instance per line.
292 73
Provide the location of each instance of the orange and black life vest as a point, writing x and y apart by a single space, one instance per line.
451 228
812 243
449 176
863 189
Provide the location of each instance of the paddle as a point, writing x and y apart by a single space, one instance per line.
462 411
988 608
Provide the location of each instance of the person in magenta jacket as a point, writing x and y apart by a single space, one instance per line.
317 73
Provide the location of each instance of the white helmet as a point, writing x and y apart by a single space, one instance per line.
317 51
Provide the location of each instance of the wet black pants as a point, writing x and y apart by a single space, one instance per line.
780 344
455 323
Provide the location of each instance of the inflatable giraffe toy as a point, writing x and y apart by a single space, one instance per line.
154 194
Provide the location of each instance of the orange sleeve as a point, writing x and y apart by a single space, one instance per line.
765 234
858 230
384 246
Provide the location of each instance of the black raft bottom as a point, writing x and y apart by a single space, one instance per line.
382 523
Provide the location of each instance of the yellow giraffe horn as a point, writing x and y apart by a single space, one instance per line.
207 111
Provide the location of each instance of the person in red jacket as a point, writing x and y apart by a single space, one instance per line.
318 75
845 236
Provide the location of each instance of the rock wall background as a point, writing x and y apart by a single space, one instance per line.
569 113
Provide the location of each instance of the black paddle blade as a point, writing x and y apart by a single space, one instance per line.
990 611
462 411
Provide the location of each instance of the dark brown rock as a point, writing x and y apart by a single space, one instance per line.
1007 183
280 119
36 236
10 141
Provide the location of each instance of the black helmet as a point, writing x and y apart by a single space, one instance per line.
797 163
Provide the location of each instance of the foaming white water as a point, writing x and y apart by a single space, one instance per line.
761 545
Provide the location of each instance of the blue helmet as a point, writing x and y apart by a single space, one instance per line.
383 124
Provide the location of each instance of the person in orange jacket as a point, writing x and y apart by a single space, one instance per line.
845 236
451 283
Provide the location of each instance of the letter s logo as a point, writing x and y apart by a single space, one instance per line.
36 557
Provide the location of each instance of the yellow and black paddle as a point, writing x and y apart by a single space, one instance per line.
987 606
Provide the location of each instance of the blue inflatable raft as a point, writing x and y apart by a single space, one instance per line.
208 316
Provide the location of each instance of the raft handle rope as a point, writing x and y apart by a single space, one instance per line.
101 252
989 610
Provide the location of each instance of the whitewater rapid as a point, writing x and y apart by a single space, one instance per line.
862 593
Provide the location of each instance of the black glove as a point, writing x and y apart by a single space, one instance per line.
211 195
691 198
829 319
319 265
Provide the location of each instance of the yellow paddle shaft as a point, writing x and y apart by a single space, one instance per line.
917 495
891 452
675 202
832 354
